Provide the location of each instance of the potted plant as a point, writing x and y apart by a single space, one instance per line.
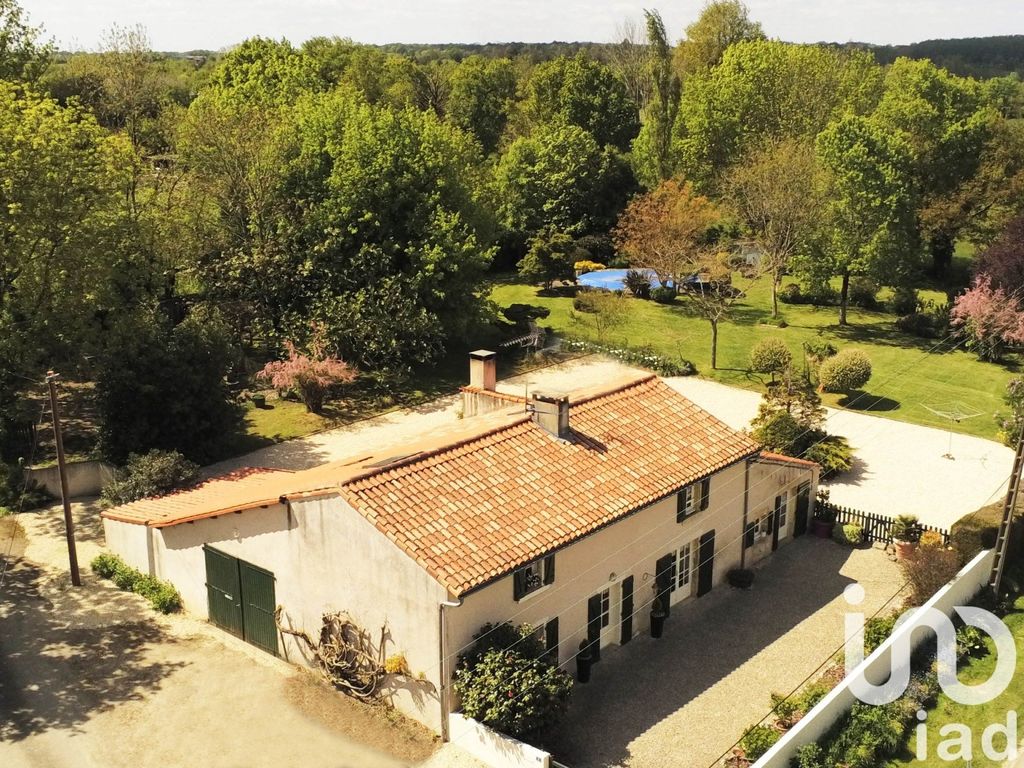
658 616
740 578
584 661
906 532
824 516
259 400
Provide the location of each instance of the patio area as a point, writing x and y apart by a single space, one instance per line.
685 699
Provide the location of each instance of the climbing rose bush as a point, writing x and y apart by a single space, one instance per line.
311 376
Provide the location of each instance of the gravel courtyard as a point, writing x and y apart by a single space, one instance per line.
685 699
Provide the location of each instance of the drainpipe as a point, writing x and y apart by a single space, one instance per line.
746 505
442 649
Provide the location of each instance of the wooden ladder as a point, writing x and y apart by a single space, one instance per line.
1003 539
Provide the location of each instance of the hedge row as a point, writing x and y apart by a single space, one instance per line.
161 594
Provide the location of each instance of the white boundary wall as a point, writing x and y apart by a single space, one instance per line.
816 723
85 478
492 748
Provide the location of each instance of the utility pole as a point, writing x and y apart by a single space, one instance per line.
1003 539
69 524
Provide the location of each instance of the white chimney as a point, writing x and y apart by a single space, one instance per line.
551 412
483 370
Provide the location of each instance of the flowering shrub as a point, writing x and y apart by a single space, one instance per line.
642 357
312 376
990 318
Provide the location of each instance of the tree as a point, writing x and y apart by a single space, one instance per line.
869 220
311 375
652 150
163 386
1011 426
845 372
770 356
481 97
629 58
583 92
722 23
762 93
551 257
666 229
989 317
560 178
22 56
713 296
1003 261
152 474
775 195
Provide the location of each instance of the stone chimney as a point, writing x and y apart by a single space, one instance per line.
483 370
551 412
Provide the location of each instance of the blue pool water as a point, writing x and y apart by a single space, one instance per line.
613 279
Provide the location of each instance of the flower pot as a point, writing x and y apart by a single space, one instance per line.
259 401
657 624
584 661
823 528
904 548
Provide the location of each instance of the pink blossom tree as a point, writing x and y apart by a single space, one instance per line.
991 319
311 375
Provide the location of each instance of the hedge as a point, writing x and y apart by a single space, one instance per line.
162 595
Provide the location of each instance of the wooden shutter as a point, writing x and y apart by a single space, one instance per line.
519 584
549 569
551 640
664 573
705 493
681 499
749 535
627 609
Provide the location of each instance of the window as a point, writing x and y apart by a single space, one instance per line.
533 577
758 529
782 509
683 567
606 608
764 526
693 498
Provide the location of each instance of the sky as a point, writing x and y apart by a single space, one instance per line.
179 25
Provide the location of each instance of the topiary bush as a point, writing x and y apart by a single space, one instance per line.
152 474
162 595
847 371
663 295
850 534
504 682
770 356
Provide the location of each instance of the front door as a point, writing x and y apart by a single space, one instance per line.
803 508
706 563
240 597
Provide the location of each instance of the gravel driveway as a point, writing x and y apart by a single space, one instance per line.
685 699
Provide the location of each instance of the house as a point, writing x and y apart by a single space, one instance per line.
570 513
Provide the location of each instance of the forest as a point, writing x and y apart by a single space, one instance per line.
172 223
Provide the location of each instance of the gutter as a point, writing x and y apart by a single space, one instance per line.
446 677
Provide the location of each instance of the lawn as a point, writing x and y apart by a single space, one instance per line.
977 717
909 373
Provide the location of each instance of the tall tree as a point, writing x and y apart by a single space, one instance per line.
481 97
584 92
869 222
775 195
722 23
714 295
652 151
666 230
629 58
22 55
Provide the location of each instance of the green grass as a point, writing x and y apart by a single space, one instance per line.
977 717
909 373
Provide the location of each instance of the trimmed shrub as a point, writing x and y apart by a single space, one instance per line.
162 595
770 356
791 294
864 293
505 683
152 474
758 740
585 266
904 301
819 295
919 324
847 371
850 534
663 295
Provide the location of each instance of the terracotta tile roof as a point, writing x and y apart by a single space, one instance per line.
779 458
473 511
245 488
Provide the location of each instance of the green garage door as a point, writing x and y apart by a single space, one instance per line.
241 599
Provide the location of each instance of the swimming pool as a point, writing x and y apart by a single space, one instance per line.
613 279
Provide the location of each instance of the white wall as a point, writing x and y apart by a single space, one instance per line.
494 749
85 478
875 669
325 557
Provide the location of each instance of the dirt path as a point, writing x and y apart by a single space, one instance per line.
92 677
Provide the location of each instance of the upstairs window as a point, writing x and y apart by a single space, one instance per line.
692 499
533 577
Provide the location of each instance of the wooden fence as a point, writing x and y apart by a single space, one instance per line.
876 527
